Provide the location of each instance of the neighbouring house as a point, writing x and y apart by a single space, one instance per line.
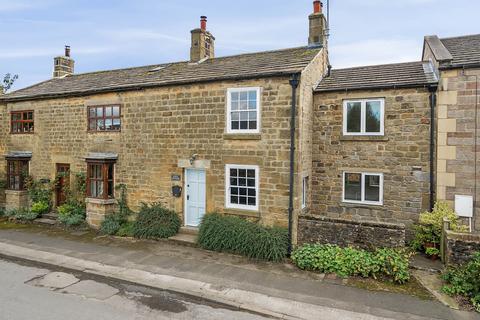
209 134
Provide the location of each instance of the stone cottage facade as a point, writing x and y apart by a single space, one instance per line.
347 156
209 134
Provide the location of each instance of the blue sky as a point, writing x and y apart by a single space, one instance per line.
106 34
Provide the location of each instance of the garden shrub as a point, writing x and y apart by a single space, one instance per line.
40 207
465 281
111 224
71 214
236 235
156 222
126 229
2 212
429 228
24 215
392 263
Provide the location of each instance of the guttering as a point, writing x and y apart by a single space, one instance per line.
377 87
294 81
433 101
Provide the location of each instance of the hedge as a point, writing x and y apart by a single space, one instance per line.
236 235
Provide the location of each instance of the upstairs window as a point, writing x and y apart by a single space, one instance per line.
17 171
104 118
243 110
364 188
242 183
363 117
22 122
100 179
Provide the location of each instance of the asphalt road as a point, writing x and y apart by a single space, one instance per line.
35 293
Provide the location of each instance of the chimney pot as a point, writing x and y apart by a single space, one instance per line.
317 6
67 51
203 23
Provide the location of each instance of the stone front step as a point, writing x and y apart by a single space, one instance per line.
189 230
45 221
184 239
51 215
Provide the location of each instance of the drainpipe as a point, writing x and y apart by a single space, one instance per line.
294 83
433 102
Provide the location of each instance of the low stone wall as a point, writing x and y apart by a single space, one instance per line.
344 233
97 210
460 247
15 200
2 198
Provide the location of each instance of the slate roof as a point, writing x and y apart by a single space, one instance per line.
398 75
464 50
253 65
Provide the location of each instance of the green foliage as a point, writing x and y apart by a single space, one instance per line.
111 225
156 222
3 184
432 251
7 82
465 281
126 230
2 212
429 229
40 207
345 262
23 215
71 214
39 191
236 235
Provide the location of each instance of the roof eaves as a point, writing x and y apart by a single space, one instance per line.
377 87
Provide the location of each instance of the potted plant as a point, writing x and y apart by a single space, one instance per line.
433 253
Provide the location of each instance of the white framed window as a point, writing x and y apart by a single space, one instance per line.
242 187
363 117
363 187
243 110
305 192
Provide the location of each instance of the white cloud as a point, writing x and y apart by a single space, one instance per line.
44 52
375 51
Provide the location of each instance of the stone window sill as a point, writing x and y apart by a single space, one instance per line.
363 138
16 192
100 201
361 205
242 213
242 136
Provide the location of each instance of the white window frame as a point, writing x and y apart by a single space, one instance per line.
363 120
230 205
229 110
305 181
362 188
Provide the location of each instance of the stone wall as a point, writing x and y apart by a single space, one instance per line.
3 167
367 235
402 155
460 247
161 127
457 129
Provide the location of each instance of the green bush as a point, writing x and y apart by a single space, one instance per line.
429 228
156 222
345 262
2 212
71 214
111 225
465 281
236 235
126 230
24 215
40 207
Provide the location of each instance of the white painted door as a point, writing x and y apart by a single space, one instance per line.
195 196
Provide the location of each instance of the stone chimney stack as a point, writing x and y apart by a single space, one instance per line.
318 26
203 43
63 65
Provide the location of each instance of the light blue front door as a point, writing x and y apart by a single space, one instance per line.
195 197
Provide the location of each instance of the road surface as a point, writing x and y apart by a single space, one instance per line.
29 292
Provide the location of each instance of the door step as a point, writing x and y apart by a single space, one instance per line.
187 237
45 221
51 216
189 230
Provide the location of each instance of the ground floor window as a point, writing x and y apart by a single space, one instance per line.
17 171
100 179
363 187
242 187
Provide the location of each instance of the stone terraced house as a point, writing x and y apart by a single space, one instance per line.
349 156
